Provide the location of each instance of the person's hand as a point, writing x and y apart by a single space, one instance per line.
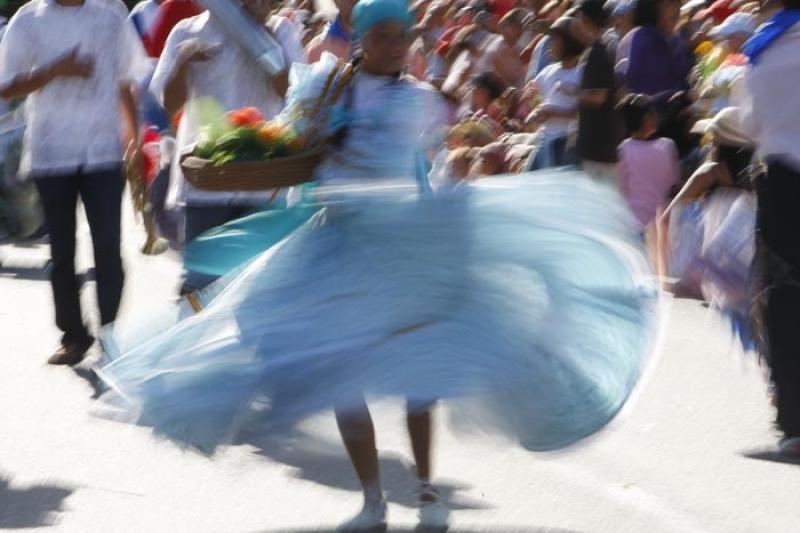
539 115
72 65
529 90
195 50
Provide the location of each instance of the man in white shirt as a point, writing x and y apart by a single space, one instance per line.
772 118
76 61
201 63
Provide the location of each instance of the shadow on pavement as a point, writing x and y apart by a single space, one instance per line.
772 456
488 529
94 381
37 271
327 464
40 272
34 506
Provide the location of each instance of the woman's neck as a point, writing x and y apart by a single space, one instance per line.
376 72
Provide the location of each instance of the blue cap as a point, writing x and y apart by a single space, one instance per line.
368 13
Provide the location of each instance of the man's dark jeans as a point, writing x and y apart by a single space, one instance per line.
779 233
101 194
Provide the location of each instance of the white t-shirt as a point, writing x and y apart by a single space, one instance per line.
231 78
559 87
771 110
73 123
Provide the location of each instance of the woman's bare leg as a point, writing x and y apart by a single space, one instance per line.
420 429
358 435
433 512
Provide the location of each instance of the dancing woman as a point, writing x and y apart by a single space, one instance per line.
371 143
523 302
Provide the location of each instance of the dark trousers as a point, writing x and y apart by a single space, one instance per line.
779 234
199 219
101 194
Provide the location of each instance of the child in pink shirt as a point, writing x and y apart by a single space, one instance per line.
648 165
648 169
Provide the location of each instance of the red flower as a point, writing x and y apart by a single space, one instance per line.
248 116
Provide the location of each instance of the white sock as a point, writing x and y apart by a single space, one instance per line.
373 493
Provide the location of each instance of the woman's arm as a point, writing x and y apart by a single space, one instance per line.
176 89
280 83
701 182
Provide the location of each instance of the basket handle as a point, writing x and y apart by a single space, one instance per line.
325 89
330 95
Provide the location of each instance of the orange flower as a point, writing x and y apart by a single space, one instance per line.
270 132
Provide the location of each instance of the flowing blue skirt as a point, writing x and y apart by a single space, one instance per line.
525 302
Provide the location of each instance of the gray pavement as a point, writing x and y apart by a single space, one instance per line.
693 454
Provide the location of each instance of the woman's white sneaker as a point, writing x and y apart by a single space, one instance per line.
433 513
372 518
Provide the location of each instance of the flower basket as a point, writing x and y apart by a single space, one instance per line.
251 175
243 152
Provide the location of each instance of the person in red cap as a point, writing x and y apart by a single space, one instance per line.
718 11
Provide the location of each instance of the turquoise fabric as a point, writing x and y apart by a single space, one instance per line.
225 248
368 13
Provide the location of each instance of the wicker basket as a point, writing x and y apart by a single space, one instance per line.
251 176
274 173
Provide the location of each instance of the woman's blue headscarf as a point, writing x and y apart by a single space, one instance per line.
368 13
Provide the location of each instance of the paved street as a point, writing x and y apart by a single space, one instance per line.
692 455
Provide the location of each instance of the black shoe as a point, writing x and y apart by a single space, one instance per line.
789 447
71 353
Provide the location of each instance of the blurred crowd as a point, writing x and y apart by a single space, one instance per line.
531 85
